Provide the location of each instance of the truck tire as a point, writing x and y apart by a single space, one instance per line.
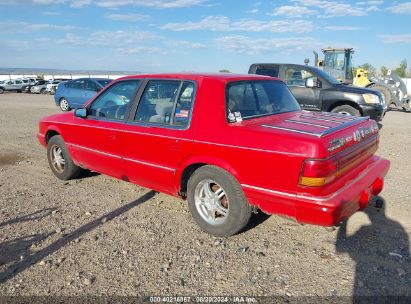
1 90
217 201
384 91
347 110
59 159
43 91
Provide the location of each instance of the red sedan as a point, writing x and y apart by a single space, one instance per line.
227 143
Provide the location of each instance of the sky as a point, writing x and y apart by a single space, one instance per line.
197 35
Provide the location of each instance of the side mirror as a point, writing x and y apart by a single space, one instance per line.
310 82
80 113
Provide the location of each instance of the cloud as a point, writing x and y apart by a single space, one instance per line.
253 11
375 2
341 28
251 46
127 17
343 10
110 3
332 9
185 44
47 13
224 24
293 11
399 38
110 39
20 27
403 8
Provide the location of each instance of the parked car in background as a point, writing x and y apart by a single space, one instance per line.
75 93
316 90
31 82
39 87
13 85
51 86
159 131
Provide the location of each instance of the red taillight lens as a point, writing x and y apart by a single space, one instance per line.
317 172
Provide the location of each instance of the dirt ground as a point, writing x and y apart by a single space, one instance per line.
99 236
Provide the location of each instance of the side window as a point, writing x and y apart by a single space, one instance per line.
157 102
92 86
296 76
112 104
19 82
184 104
77 84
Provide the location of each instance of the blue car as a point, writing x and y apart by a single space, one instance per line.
75 93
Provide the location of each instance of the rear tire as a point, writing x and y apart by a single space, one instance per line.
225 211
1 90
59 159
347 110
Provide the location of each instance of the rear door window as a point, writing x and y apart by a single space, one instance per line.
296 76
166 102
249 99
78 84
268 71
91 86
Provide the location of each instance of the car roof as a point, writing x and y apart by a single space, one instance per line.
309 67
226 77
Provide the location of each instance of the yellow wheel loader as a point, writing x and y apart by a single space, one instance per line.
338 63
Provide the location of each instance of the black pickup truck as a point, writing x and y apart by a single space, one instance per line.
315 90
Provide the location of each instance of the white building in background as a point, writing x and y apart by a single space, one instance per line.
59 76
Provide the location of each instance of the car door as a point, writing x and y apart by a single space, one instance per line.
158 137
308 97
95 141
90 90
75 93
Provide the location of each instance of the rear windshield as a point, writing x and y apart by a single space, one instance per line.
103 83
256 98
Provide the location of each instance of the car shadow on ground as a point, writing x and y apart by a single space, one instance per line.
30 217
87 174
382 256
21 247
255 220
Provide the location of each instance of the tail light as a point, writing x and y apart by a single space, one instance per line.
317 172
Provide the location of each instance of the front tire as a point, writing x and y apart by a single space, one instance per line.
346 110
1 90
64 105
217 202
59 159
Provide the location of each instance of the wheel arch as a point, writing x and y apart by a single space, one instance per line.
341 102
52 131
189 166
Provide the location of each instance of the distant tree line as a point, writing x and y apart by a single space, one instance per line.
401 70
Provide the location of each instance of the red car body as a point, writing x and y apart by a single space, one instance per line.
268 156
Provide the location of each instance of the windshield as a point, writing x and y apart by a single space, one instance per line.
103 83
327 77
256 98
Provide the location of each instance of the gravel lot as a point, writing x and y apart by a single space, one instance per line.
99 236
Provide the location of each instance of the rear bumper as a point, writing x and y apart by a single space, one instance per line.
327 210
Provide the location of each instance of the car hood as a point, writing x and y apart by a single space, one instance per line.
354 90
